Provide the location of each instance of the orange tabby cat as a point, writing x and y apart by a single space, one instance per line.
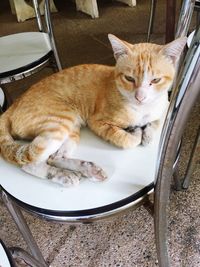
121 104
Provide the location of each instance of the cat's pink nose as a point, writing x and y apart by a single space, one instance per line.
140 96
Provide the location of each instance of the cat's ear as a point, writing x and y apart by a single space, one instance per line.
175 48
120 48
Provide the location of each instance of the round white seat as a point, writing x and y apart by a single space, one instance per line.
20 51
131 174
5 258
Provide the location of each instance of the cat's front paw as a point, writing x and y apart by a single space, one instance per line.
147 134
133 137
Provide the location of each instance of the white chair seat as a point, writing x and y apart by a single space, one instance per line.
129 171
20 50
4 257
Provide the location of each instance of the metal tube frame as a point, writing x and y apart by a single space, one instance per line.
24 229
185 17
51 34
192 161
18 253
151 18
184 96
38 15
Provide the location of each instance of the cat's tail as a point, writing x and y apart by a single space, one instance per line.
9 148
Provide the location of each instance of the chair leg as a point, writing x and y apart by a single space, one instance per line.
151 18
162 191
18 253
176 177
192 160
177 182
198 18
23 228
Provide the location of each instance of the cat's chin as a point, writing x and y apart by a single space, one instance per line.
140 103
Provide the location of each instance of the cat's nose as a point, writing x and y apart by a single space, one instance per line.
140 96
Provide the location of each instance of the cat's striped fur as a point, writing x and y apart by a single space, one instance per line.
108 99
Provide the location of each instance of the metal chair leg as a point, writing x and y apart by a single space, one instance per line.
177 182
23 228
198 18
192 161
18 253
151 18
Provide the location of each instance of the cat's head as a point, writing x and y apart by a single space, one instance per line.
145 71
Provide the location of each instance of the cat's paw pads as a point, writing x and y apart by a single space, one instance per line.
65 178
147 135
93 171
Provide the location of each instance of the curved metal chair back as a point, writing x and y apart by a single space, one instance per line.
185 94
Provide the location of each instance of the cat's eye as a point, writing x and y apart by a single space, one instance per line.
129 78
157 80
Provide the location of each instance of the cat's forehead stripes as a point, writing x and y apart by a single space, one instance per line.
144 57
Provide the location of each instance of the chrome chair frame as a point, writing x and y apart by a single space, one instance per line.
151 19
183 98
182 103
50 59
8 254
185 14
193 158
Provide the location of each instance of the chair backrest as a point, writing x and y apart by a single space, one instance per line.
184 96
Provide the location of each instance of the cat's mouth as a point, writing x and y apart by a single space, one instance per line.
140 102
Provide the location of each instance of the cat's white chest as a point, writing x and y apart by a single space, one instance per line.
151 112
143 120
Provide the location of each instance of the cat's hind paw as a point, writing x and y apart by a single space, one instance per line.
92 171
57 175
65 177
87 168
